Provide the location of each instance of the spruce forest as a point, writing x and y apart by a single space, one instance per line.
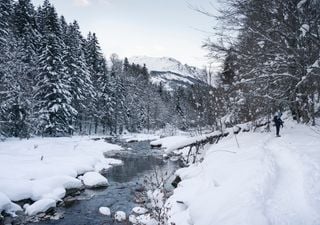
56 82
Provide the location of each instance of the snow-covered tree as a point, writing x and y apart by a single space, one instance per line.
98 69
54 99
277 55
77 69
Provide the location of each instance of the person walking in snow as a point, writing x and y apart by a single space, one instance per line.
278 122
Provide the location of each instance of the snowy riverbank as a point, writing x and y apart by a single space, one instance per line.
41 169
267 180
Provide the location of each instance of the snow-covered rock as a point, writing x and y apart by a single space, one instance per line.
94 179
39 206
7 206
139 210
120 216
132 219
105 211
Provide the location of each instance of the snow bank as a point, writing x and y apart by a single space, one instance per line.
267 180
43 168
133 137
94 179
40 206
7 206
175 142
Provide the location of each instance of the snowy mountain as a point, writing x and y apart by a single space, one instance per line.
169 71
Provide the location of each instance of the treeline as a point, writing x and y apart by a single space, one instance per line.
55 82
271 58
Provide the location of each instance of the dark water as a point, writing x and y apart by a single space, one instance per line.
139 160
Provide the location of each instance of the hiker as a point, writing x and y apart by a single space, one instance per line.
278 122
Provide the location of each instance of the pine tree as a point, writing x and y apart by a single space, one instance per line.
5 93
54 106
77 69
97 67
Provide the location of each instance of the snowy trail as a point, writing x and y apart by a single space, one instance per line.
288 188
269 181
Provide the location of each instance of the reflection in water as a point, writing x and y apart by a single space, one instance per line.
124 180
132 165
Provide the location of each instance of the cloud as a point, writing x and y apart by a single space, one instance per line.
82 3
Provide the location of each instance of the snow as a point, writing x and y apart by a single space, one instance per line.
139 210
105 211
175 142
172 143
267 180
146 220
7 206
304 29
156 198
164 77
165 64
132 137
132 219
94 179
43 168
142 220
170 72
301 3
40 206
120 216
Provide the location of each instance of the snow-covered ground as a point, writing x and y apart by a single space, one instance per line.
267 180
42 169
132 137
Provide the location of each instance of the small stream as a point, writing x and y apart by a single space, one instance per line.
139 160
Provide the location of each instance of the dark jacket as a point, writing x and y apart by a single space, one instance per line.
277 121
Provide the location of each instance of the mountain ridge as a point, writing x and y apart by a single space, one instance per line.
170 71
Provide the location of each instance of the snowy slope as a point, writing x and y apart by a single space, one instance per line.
170 72
267 180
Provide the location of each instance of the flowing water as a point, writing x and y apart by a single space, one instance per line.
139 160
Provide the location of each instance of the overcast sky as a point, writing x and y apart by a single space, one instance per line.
142 27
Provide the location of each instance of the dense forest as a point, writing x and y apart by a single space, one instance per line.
56 82
271 58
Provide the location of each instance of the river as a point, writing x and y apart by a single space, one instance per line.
139 160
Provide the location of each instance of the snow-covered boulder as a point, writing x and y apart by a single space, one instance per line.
42 205
105 211
132 219
120 216
139 210
8 206
94 179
